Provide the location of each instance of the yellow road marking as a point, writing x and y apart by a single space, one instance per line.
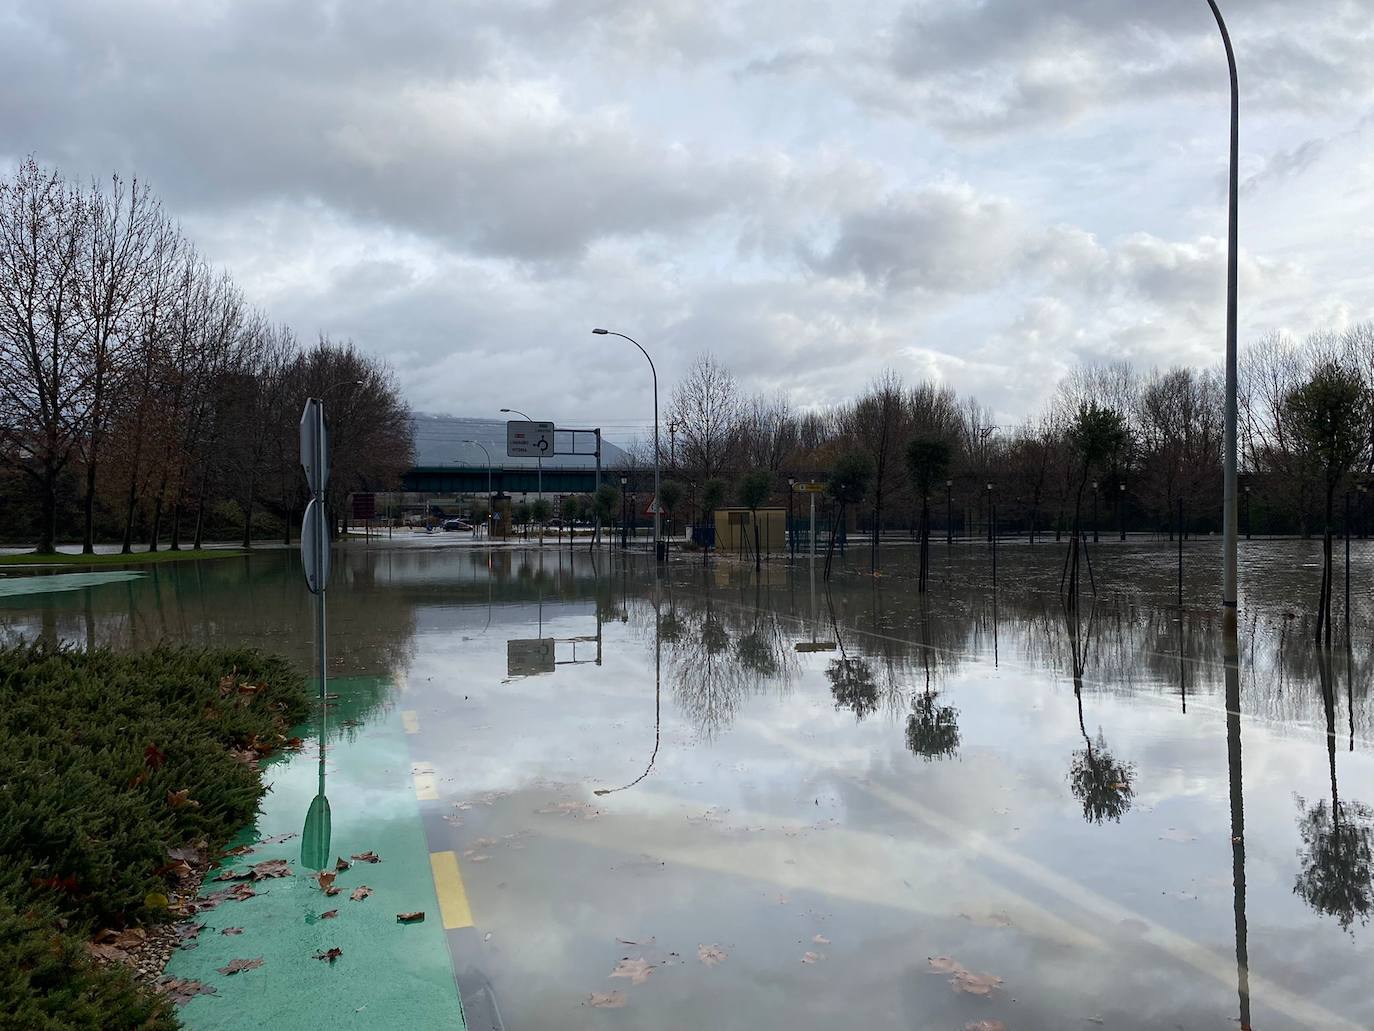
448 885
410 719
426 781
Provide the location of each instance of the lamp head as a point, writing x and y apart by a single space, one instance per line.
600 332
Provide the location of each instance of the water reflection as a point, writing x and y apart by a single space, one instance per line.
1336 867
1101 783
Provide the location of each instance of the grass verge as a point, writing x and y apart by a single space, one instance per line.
108 763
137 558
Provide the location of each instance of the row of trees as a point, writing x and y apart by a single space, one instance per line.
1167 451
137 383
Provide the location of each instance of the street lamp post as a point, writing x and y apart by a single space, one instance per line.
624 522
658 547
949 513
989 513
1121 508
1094 511
791 534
489 495
1247 511
1229 549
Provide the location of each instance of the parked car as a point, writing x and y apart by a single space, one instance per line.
457 524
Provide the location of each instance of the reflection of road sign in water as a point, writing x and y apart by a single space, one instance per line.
315 446
315 546
529 658
529 439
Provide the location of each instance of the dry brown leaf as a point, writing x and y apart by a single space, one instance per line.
944 965
410 918
361 892
711 954
237 965
325 879
278 839
341 864
177 799
637 970
985 1025
182 990
821 939
606 1000
329 954
329 914
238 850
812 957
271 868
108 953
332 891
231 930
975 984
367 857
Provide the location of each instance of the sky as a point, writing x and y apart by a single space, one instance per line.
984 194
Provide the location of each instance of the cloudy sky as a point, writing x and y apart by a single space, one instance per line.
980 192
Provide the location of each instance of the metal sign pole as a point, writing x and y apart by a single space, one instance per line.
315 529
813 526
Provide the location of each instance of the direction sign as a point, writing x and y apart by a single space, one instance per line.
315 446
315 546
529 439
809 488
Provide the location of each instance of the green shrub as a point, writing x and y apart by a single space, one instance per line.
95 751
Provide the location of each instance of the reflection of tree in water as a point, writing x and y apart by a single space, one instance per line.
1336 861
756 653
671 627
932 730
1097 779
851 679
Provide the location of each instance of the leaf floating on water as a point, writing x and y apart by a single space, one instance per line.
812 957
238 965
367 857
325 879
361 892
271 868
963 979
278 839
711 954
637 970
183 990
330 954
821 939
410 918
231 930
330 915
341 864
606 1000
944 965
985 1025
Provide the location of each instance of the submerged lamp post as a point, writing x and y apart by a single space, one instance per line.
1121 508
949 513
658 546
489 504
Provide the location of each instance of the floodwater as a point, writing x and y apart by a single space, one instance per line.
812 806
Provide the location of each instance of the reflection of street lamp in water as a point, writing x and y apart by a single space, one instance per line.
658 669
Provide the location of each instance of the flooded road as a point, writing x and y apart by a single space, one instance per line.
765 802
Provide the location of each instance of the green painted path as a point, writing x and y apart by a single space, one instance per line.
388 975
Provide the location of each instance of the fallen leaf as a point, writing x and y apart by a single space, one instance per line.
985 1025
240 892
231 930
975 984
606 1000
237 965
181 991
812 957
329 954
637 970
271 868
331 891
368 857
278 839
361 892
476 859
341 864
326 879
177 799
711 954
484 842
239 850
330 915
410 918
108 953
821 939
944 965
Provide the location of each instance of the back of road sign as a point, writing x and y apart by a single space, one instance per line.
315 546
315 446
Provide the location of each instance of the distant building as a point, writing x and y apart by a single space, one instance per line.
444 464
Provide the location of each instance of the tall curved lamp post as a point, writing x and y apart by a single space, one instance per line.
1229 522
478 443
658 547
